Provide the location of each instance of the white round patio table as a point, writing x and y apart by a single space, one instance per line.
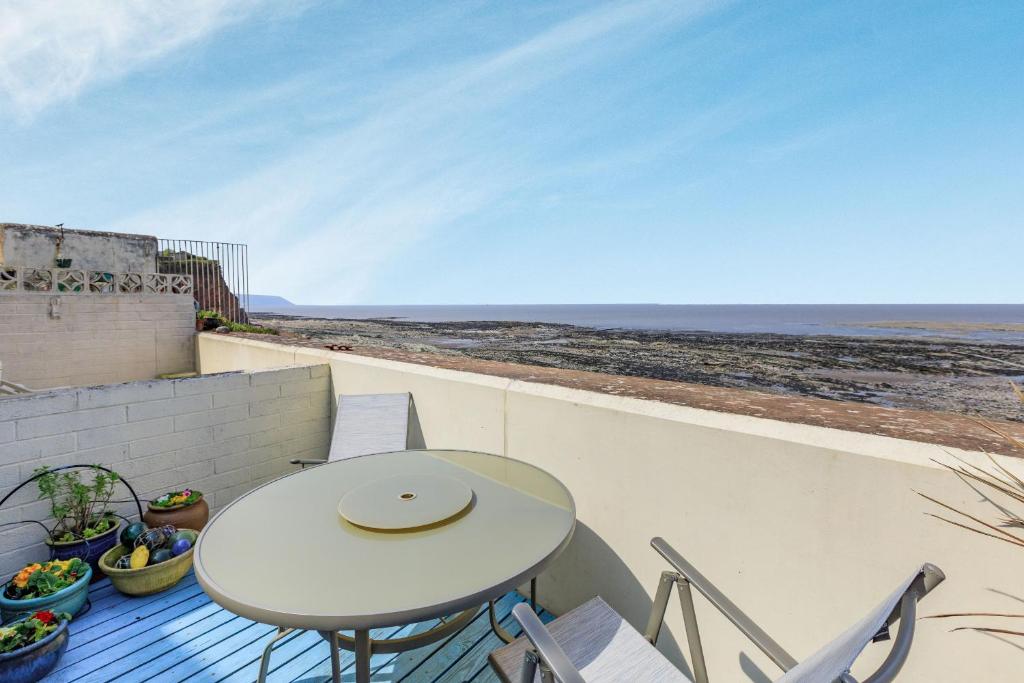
383 540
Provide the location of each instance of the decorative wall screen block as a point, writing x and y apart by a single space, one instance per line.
67 281
154 283
101 282
70 280
8 278
180 284
129 283
36 280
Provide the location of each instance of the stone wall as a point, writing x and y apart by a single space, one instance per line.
35 246
222 434
49 341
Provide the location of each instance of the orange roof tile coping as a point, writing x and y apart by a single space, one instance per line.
934 427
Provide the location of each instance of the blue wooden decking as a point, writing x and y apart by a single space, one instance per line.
181 635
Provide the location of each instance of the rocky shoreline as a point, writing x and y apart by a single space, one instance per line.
928 373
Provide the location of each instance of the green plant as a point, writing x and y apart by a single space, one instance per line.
80 507
39 580
253 329
233 326
30 630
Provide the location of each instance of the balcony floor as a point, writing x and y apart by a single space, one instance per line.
181 635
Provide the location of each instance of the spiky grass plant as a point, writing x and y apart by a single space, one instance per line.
998 480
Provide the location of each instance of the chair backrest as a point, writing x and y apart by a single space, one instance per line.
829 664
833 661
370 423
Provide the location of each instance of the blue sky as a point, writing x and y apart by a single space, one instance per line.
579 152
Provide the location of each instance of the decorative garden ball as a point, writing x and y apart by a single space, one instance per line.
159 556
139 557
169 530
180 546
152 539
131 533
187 534
124 562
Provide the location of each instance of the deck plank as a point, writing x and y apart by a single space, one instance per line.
181 635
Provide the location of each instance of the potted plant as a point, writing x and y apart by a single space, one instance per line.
85 528
208 320
58 585
149 560
31 647
186 509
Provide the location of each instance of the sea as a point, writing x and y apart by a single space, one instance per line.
807 319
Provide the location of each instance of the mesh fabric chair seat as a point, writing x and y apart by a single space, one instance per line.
593 644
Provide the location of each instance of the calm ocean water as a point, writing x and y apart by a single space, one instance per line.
781 319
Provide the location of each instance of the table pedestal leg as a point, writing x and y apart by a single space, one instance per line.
498 629
265 660
363 652
335 658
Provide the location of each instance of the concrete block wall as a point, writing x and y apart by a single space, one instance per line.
35 246
223 434
97 338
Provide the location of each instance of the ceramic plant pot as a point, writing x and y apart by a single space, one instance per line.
70 600
89 550
32 663
145 580
193 516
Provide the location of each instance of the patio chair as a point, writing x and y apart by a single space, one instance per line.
367 423
593 644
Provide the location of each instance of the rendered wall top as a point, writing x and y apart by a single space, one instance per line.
805 527
35 246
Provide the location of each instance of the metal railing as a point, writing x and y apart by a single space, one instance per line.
219 271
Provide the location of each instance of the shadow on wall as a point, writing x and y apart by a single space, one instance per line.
752 670
590 567
414 439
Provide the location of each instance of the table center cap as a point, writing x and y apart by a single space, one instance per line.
405 501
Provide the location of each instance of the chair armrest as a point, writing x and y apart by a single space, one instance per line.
930 577
299 461
547 649
738 617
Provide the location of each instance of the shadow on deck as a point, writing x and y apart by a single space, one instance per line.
181 635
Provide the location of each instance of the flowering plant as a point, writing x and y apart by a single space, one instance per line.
38 580
172 498
30 630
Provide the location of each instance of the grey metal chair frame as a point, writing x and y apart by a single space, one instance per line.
555 666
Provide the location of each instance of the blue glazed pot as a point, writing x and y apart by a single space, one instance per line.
70 600
30 664
88 550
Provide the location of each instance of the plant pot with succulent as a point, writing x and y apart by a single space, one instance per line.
58 585
85 528
186 509
31 647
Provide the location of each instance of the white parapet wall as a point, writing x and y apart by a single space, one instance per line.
222 434
52 339
805 527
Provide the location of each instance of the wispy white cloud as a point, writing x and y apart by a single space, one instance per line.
327 216
51 51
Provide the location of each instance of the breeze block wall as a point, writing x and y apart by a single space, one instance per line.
222 434
52 340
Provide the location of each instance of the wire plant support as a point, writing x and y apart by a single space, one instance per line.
134 498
